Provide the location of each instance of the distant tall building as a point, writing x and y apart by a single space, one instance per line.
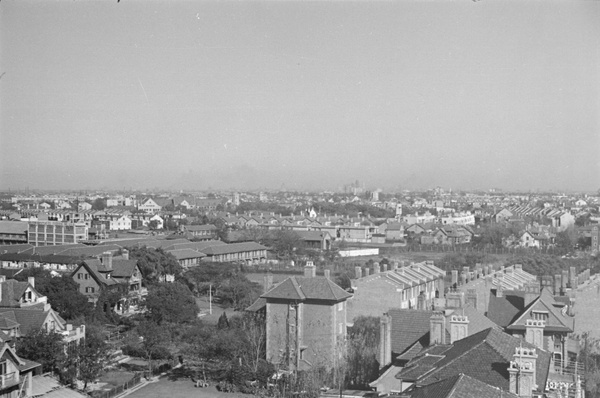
236 199
48 233
398 209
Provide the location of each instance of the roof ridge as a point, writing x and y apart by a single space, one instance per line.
455 384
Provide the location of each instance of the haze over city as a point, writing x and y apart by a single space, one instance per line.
191 95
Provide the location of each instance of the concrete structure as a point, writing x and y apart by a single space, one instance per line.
43 233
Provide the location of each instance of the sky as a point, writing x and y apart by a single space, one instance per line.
300 95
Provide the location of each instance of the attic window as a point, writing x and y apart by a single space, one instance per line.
539 315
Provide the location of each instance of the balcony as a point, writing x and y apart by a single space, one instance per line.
9 379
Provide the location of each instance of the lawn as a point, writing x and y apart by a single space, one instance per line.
180 388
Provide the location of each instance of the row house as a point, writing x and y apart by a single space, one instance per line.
203 232
413 286
246 252
13 232
461 218
419 218
50 262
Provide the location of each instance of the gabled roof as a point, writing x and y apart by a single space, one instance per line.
29 319
557 321
484 356
459 386
301 288
183 254
123 268
12 291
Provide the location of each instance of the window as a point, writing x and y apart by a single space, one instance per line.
90 289
3 367
79 275
87 276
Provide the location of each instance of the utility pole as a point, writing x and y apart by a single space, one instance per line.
210 299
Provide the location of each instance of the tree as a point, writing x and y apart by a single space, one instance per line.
154 338
589 356
239 291
44 347
92 355
155 262
170 302
362 349
565 240
153 225
99 204
62 292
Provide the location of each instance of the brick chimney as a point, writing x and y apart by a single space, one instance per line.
534 332
459 327
454 277
421 301
107 260
310 271
522 372
125 254
437 328
532 291
268 281
500 279
472 297
385 340
327 274
455 299
357 272
31 281
376 268
2 278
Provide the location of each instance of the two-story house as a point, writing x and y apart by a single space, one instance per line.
16 374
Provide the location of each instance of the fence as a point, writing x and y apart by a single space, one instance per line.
119 389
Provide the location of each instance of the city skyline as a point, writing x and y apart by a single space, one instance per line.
192 96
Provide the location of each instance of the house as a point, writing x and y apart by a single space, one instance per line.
490 356
413 286
203 232
305 319
96 275
16 374
458 386
503 215
451 235
149 205
320 240
418 218
121 223
13 232
537 317
460 218
245 252
23 309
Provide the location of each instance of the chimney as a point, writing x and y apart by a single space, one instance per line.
268 281
376 268
572 272
2 278
310 271
107 260
522 372
564 280
327 274
367 271
454 277
385 340
534 332
454 299
421 301
125 254
31 281
385 267
518 267
394 266
357 272
437 328
459 327
472 297
557 279
499 287
532 291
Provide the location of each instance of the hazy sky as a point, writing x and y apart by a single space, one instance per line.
188 94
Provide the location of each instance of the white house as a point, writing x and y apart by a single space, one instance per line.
120 224
149 206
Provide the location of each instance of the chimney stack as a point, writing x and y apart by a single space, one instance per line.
437 328
310 271
268 281
385 340
2 278
499 287
472 297
107 260
357 272
532 291
327 274
376 268
125 254
31 281
459 327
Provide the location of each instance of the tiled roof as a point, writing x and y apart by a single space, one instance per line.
182 254
409 327
29 319
459 386
301 288
232 248
503 310
484 356
23 248
123 268
556 322
12 291
13 227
